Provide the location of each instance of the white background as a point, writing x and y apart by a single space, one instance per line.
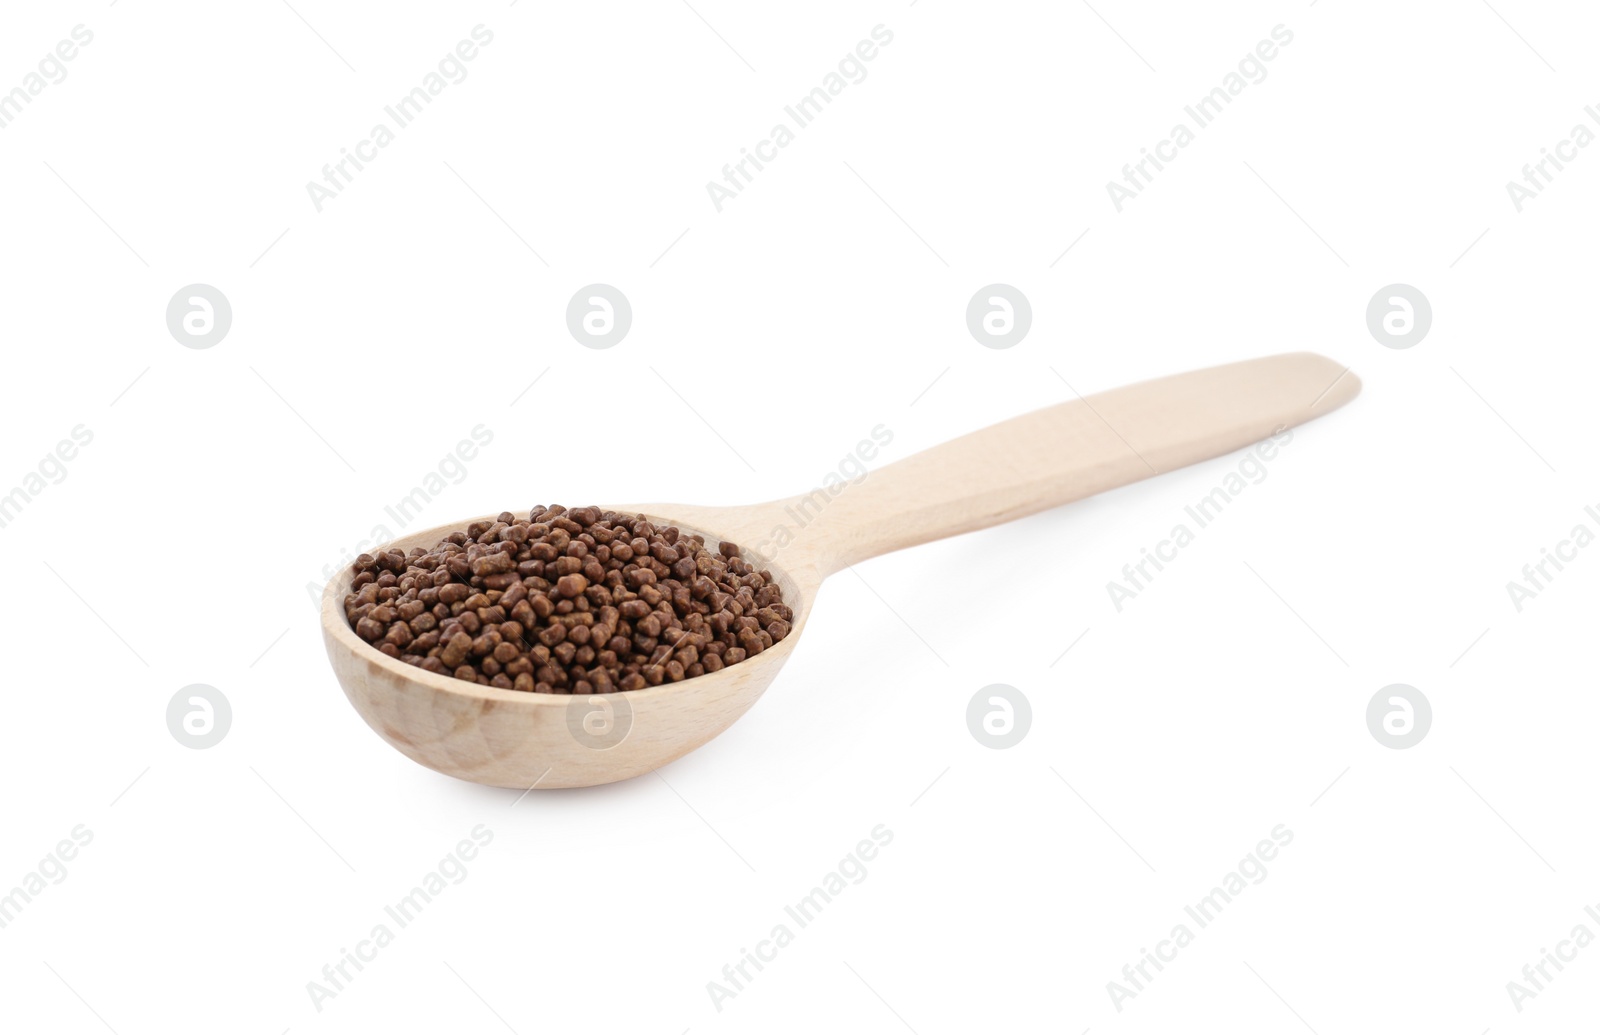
1229 697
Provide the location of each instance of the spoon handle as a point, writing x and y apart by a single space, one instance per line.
1069 451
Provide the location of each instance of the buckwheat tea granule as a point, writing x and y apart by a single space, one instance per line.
567 602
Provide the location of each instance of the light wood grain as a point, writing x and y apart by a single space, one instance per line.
1067 452
1007 471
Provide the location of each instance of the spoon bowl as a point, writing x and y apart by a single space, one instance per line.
1043 459
505 738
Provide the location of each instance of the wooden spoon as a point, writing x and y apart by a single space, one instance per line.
1007 471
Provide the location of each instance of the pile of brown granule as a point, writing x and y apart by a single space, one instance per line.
567 602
